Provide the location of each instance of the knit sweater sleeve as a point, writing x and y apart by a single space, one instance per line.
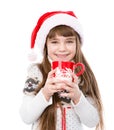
87 111
32 105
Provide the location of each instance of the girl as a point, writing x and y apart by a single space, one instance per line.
59 37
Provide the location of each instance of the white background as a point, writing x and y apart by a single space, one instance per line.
17 19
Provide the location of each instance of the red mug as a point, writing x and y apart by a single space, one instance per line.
64 69
66 66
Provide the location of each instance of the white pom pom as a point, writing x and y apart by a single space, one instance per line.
35 56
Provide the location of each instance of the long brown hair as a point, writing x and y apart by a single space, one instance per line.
88 84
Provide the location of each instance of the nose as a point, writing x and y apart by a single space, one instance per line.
62 47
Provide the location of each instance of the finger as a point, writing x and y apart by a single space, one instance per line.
56 87
75 78
60 87
51 73
68 83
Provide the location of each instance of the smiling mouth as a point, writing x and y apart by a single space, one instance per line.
61 55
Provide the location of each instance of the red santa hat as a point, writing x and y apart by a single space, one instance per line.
45 23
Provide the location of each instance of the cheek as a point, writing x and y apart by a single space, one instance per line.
50 50
72 49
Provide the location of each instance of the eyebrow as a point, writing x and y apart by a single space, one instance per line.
68 37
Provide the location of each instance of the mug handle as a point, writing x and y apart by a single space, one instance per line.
82 68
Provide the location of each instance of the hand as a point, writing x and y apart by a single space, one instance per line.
74 92
52 85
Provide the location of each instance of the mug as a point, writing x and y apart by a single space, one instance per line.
64 69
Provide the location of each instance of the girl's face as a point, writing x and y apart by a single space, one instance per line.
61 48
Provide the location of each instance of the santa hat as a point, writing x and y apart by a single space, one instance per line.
45 23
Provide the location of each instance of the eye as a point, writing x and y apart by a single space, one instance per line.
54 42
70 41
